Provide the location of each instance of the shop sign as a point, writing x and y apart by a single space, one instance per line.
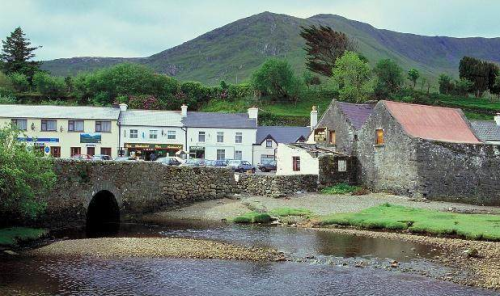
153 146
197 148
90 138
39 140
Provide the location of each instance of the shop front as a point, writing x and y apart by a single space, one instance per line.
197 152
144 150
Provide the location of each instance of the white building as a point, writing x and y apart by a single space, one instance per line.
143 132
217 136
268 138
300 158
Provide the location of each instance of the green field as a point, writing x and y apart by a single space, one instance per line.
392 217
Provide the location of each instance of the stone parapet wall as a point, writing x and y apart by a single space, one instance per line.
277 186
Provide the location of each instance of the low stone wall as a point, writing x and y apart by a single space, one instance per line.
277 186
138 187
331 174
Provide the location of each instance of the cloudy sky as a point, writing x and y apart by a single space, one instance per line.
134 28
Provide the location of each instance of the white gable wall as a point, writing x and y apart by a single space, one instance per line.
309 165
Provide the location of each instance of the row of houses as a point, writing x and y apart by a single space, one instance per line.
409 149
65 131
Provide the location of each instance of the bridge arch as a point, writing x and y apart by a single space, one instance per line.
103 214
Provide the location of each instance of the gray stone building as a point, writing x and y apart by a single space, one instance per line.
427 151
340 124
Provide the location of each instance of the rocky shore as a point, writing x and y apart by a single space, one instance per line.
156 247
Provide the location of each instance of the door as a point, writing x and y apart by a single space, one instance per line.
55 151
91 151
106 151
75 151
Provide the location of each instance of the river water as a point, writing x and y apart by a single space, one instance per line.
323 263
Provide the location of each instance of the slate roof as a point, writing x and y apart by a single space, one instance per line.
59 112
219 120
151 118
432 122
357 114
486 130
282 134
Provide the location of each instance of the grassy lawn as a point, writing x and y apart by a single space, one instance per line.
340 189
392 217
12 236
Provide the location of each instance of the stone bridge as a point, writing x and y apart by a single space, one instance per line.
104 191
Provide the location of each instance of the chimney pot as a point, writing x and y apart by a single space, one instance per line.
184 110
123 107
497 118
314 117
253 113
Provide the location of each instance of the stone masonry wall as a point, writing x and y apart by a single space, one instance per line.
137 186
459 172
329 174
335 120
277 186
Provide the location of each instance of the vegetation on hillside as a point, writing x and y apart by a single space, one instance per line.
392 217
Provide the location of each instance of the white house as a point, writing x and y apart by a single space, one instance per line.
216 136
300 158
143 132
268 138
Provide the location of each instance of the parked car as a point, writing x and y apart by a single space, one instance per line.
101 157
218 163
194 162
125 158
267 166
82 157
173 161
241 166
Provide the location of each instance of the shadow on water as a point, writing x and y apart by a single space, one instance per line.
103 215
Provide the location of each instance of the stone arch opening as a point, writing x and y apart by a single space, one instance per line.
103 215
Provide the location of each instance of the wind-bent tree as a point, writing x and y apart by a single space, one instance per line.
351 77
17 55
323 47
413 76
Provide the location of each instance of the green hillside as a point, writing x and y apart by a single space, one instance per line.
234 51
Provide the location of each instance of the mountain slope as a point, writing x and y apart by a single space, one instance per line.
234 51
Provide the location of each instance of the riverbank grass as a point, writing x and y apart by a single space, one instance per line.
14 235
266 217
285 212
392 217
253 217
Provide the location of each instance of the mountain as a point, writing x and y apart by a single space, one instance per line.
234 51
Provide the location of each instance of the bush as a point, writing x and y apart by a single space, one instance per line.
20 82
340 189
253 217
49 86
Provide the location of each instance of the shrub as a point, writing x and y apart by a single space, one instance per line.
340 189
253 217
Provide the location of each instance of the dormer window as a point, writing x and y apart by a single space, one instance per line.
269 143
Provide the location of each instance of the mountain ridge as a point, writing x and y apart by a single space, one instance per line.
232 52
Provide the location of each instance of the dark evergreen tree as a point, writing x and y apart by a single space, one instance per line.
323 47
479 72
17 54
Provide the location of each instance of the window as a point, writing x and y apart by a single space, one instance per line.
171 135
75 151
55 151
75 125
342 165
220 137
49 125
238 155
201 137
333 139
221 154
106 151
296 163
238 138
269 143
153 134
320 135
103 126
21 124
266 158
134 134
91 151
380 137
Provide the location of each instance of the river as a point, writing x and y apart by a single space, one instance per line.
322 263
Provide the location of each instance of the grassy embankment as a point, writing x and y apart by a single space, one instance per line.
399 218
14 235
267 216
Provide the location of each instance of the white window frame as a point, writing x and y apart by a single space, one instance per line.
220 137
171 135
238 155
133 134
238 138
221 154
153 134
16 122
200 135
342 165
269 143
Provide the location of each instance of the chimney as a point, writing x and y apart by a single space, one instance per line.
123 107
184 110
497 118
253 113
314 117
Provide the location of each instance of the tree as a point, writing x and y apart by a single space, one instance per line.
276 79
351 76
310 79
446 85
24 177
17 54
481 73
49 86
323 47
463 87
20 82
389 77
413 76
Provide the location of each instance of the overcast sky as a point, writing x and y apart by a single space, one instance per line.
135 28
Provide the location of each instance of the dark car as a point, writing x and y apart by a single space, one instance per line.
168 161
241 166
267 166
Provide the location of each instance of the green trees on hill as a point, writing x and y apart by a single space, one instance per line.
389 78
276 79
482 74
17 55
352 78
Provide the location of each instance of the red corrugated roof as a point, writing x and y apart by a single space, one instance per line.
432 123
